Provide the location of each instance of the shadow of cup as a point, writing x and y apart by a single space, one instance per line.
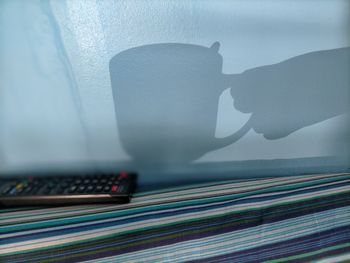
166 101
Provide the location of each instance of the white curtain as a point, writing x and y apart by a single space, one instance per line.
56 98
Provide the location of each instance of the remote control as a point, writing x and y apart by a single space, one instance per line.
67 190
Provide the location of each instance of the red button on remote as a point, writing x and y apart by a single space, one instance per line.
114 188
122 175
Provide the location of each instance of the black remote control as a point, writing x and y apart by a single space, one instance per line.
67 190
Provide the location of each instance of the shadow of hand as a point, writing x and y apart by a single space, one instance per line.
295 93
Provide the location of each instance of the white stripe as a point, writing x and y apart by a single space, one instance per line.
135 203
249 184
242 239
235 244
170 219
34 211
341 258
155 212
67 238
107 220
192 193
80 210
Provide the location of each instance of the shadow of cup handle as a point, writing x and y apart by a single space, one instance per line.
228 140
231 139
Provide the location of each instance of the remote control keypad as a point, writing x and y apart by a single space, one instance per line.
88 184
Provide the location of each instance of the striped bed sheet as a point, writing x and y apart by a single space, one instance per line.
294 219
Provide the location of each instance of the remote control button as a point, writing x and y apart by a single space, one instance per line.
110 183
114 188
13 191
121 188
86 181
99 188
68 179
19 186
28 189
7 190
94 181
35 190
25 183
106 188
103 180
72 189
36 182
122 175
81 188
38 188
90 188
77 181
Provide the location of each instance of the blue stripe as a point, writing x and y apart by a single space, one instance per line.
117 222
67 221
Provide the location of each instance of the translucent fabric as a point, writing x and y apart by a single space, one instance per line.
277 83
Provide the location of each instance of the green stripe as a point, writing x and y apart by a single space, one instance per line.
171 236
313 253
55 222
192 186
279 187
316 181
138 243
307 183
80 209
136 195
143 242
18 209
153 228
175 189
277 179
109 214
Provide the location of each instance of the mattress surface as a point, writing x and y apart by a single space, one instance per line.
299 218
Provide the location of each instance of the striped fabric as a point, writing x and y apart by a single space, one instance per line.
300 218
